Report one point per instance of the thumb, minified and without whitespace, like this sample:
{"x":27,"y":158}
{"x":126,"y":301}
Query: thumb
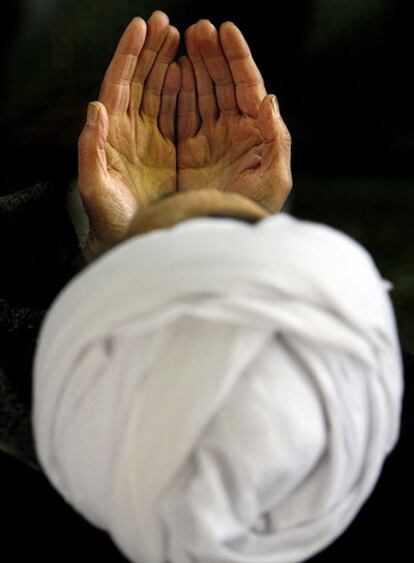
{"x":91,"y":148}
{"x":275,"y":133}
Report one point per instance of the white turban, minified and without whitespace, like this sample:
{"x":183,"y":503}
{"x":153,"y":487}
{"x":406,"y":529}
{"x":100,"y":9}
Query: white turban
{"x":219,"y":391}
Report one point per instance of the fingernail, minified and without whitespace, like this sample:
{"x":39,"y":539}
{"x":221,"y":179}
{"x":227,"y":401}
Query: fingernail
{"x":206,"y":21}
{"x":275,"y":104}
{"x":93,"y":112}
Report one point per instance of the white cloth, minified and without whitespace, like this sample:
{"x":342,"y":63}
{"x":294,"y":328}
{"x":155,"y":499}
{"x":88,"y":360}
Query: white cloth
{"x":220,"y":391}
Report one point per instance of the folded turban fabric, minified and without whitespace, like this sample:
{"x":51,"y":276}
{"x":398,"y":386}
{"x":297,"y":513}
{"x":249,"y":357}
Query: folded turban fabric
{"x":220,"y":392}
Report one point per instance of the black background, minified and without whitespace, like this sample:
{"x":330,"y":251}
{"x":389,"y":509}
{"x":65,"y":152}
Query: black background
{"x":339,"y":69}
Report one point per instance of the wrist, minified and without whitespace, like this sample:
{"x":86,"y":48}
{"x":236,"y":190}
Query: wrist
{"x":191,"y":204}
{"x":94,"y":249}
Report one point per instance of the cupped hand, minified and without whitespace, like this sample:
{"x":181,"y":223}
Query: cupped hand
{"x":127,"y":154}
{"x":231,"y":136}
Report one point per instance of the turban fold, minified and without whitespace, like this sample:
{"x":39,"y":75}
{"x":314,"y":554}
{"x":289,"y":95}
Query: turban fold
{"x":220,"y":392}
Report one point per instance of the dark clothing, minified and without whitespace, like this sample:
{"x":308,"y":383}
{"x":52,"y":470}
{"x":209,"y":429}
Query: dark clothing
{"x":37,"y":262}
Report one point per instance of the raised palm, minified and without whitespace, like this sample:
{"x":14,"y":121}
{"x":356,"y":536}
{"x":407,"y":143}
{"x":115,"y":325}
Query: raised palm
{"x":127,"y":159}
{"x":230,"y":136}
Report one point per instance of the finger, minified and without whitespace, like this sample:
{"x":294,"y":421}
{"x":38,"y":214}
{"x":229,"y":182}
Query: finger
{"x":151,"y":98}
{"x":169,"y":101}
{"x":206,"y":97}
{"x":91,"y":149}
{"x":217,"y":66}
{"x":276,"y":155}
{"x":157,"y":30}
{"x":188,"y":121}
{"x":250,"y":89}
{"x":115,"y":89}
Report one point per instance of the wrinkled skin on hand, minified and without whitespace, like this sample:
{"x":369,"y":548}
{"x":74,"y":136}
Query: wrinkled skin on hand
{"x":231,"y":136}
{"x":127,"y":154}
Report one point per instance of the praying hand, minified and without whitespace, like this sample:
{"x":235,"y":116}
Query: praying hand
{"x":160,"y":128}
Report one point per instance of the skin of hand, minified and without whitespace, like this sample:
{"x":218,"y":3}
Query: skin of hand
{"x":127,"y":153}
{"x":231,"y":135}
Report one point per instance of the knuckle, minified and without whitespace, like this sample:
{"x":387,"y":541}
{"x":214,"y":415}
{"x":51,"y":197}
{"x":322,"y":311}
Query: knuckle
{"x":286,"y":137}
{"x":84,"y":139}
{"x":288,"y":184}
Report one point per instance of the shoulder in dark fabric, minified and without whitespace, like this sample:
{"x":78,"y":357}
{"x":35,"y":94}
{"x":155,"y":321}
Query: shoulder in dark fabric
{"x":41,"y":255}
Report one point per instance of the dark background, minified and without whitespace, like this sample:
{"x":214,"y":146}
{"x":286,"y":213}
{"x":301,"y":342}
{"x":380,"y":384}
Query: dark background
{"x":337,"y":67}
